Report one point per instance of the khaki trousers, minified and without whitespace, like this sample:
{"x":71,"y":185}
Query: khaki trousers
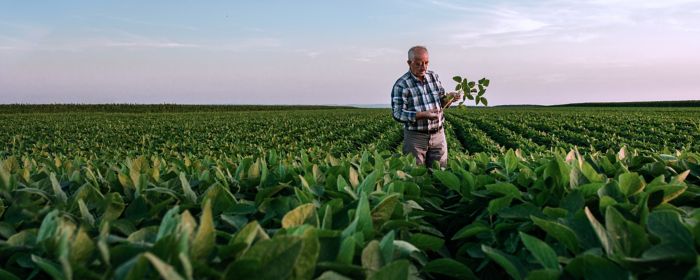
{"x":426,"y":147}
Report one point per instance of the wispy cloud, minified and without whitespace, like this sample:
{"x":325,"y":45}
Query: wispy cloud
{"x":502,"y":23}
{"x":146,"y":22}
{"x":370,"y":54}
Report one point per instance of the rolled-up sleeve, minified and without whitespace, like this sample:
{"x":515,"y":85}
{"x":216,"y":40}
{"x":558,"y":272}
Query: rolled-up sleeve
{"x":398,"y":106}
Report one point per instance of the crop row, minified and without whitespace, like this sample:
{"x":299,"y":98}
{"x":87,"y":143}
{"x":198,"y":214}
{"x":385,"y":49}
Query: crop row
{"x":371,"y":215}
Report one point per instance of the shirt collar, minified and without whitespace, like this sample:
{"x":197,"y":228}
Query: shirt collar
{"x":425,"y":77}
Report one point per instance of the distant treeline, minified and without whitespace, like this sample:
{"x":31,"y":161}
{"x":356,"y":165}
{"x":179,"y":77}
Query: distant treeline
{"x":150,"y":108}
{"x":685,"y":103}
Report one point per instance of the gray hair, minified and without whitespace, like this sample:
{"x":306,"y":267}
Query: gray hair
{"x":412,"y":51}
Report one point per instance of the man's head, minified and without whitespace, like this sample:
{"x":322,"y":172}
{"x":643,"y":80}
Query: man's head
{"x":418,"y":60}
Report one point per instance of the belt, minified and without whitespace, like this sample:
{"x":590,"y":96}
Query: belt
{"x":432,"y":131}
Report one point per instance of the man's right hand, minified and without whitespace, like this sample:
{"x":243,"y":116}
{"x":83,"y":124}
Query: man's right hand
{"x":431,"y":115}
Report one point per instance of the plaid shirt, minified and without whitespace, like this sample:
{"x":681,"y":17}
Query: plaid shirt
{"x":410,"y":95}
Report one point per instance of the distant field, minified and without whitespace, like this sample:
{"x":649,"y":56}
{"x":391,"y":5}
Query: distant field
{"x":269,"y":192}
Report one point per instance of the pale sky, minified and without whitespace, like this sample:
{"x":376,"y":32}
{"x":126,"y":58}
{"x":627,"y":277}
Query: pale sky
{"x":345,"y":52}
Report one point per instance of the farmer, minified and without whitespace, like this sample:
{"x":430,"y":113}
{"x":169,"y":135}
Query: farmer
{"x":417,"y":102}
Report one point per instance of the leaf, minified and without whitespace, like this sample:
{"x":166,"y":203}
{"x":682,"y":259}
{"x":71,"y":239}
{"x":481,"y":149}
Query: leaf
{"x":560,"y":232}
{"x":544,"y":254}
{"x":387,"y":247}
{"x":165,"y":270}
{"x":511,"y":161}
{"x":353,"y":177}
{"x":449,"y":267}
{"x":277,"y":256}
{"x":507,"y":189}
{"x":382,"y":212}
{"x":49,"y":267}
{"x":303,"y":214}
{"x":204,"y":240}
{"x":397,"y":270}
{"x":600,"y":232}
{"x":497,"y":204}
{"x":347,"y":251}
{"x":85,"y":213}
{"x":187,"y":191}
{"x":368,"y":183}
{"x":471,"y":230}
{"x":631,"y":183}
{"x":6,"y":275}
{"x":484,"y":101}
{"x":676,"y":240}
{"x":448,"y":179}
{"x":596,"y":267}
{"x":509,"y":263}
{"x":628,"y":239}
{"x":306,"y":262}
{"x":58,"y":192}
{"x":457,"y":79}
{"x":372,"y":257}
{"x":426,"y":241}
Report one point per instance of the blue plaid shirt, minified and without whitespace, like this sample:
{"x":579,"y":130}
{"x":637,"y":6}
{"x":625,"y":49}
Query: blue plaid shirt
{"x":410,"y":96}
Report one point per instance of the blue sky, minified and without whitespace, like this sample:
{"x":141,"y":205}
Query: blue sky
{"x":345,"y":52}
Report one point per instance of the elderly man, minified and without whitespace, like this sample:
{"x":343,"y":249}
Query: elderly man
{"x":417,"y":102}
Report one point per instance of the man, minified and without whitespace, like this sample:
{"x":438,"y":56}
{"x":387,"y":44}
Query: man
{"x":416,"y":101}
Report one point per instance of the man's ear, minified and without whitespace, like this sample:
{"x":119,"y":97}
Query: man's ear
{"x":408,"y":62}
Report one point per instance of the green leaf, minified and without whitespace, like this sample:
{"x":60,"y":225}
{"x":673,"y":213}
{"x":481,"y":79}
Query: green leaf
{"x":676,"y":240}
{"x":544,"y":254}
{"x":204,"y":240}
{"x":397,"y":270}
{"x":509,"y":263}
{"x":599,"y":268}
{"x":471,"y":230}
{"x":544,"y":274}
{"x":277,"y":256}
{"x":4,"y":274}
{"x":497,"y":204}
{"x":382,"y":212}
{"x":506,"y":189}
{"x":484,"y":101}
{"x":190,"y":195}
{"x":311,"y":247}
{"x":165,"y":270}
{"x":457,"y":79}
{"x":363,"y":217}
{"x":387,"y":247}
{"x":628,"y":239}
{"x":600,"y":231}
{"x":448,"y":179}
{"x":560,"y":232}
{"x":631,"y":183}
{"x":303,"y":214}
{"x":426,"y":241}
{"x":511,"y":161}
{"x":49,"y":267}
{"x":372,"y":257}
{"x":449,"y":267}
{"x":58,"y":192}
{"x":347,"y":251}
{"x":368,"y":183}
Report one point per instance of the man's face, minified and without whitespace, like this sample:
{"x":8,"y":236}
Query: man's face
{"x":419,"y":64}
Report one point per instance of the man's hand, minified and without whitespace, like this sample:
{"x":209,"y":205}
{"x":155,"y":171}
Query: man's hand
{"x":430,"y":115}
{"x":449,"y":98}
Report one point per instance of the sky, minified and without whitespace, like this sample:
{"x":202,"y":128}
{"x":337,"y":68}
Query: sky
{"x":345,"y":52}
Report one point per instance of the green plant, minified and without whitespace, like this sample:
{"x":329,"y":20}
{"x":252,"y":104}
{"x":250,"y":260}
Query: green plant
{"x":471,"y":90}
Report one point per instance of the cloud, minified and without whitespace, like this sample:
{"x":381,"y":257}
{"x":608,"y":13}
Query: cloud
{"x":516,"y":23}
{"x":371,"y":54}
{"x":147,"y":23}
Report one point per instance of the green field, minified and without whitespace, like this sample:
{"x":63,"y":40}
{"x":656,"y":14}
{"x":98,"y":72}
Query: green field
{"x":226,"y":192}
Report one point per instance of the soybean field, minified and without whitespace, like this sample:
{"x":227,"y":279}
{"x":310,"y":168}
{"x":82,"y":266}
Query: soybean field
{"x":227,"y":192}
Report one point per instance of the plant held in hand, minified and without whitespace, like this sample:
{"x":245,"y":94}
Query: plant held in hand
{"x":472,"y":90}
